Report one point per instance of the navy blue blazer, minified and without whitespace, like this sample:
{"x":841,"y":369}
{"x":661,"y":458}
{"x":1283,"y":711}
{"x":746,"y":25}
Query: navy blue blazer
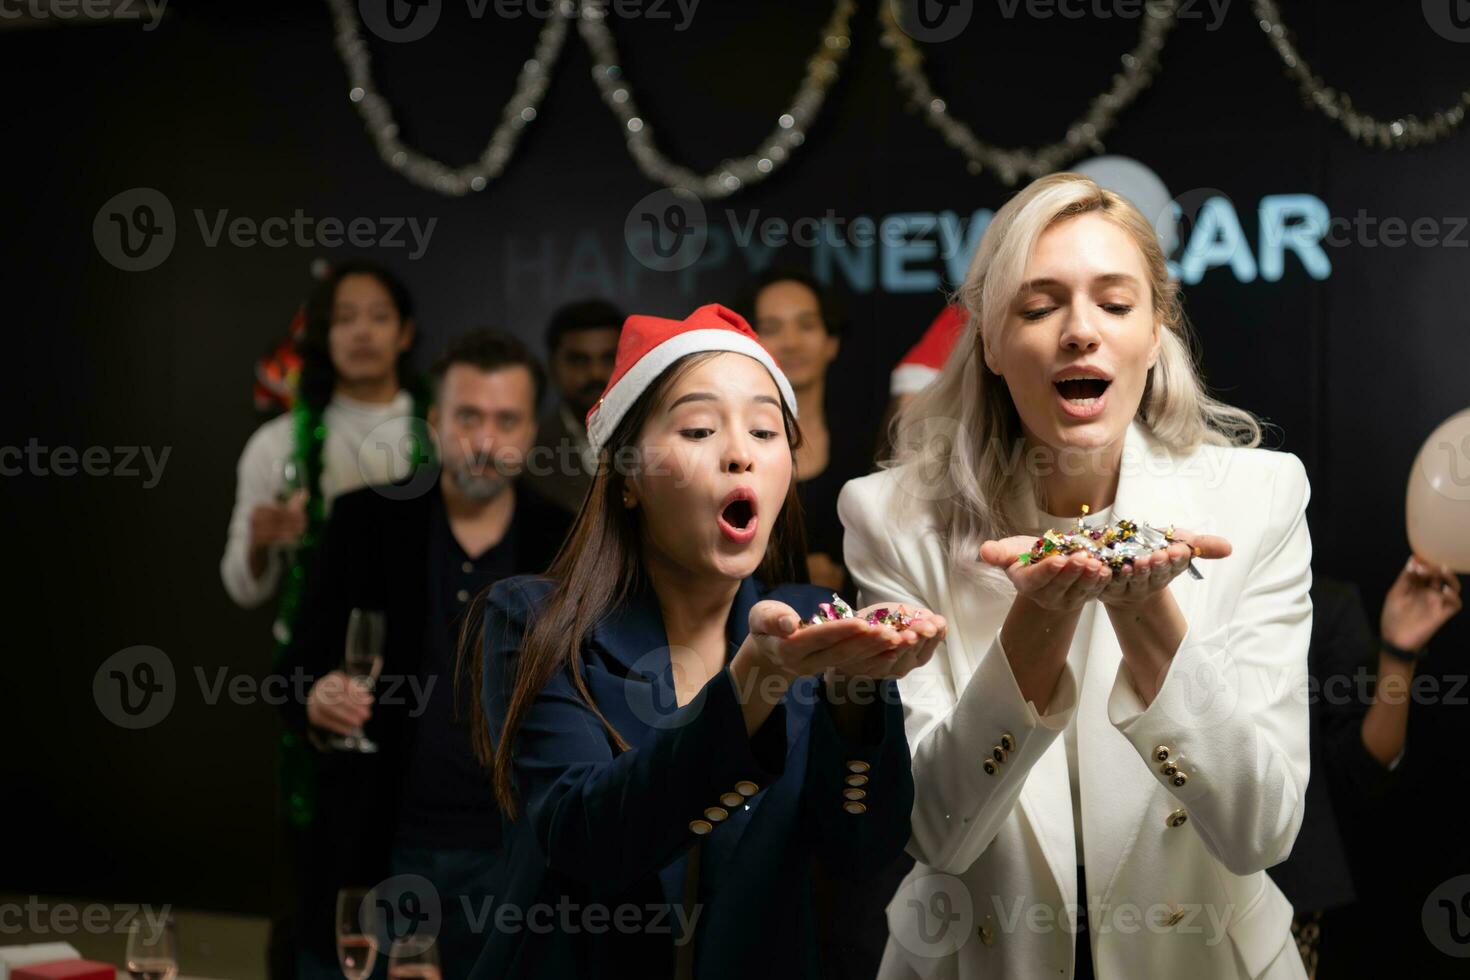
{"x":595,"y":862}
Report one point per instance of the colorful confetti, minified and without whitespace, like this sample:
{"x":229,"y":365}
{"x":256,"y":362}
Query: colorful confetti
{"x":1115,"y":545}
{"x":838,"y":609}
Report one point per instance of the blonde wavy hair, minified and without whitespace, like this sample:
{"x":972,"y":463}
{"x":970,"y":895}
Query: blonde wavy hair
{"x":963,"y":430}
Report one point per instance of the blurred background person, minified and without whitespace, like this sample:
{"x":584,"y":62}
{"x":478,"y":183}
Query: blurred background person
{"x":355,"y":355}
{"x":919,"y":366}
{"x":351,"y":421}
{"x":1359,"y":722}
{"x":421,"y":551}
{"x":798,"y":320}
{"x":581,"y":343}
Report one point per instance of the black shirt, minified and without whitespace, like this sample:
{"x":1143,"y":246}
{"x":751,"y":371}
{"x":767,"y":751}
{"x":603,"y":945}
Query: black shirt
{"x":447,"y":797}
{"x":1345,"y":777}
{"x":819,"y":507}
{"x":849,"y":456}
{"x":818,"y":496}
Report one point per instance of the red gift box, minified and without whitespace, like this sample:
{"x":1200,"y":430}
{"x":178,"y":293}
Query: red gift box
{"x":64,"y":970}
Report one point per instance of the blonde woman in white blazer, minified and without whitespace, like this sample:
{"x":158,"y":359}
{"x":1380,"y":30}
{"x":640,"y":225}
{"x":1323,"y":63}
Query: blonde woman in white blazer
{"x":1159,"y":717}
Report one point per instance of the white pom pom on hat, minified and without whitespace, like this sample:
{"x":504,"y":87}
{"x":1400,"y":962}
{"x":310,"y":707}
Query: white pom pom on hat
{"x":923,"y":362}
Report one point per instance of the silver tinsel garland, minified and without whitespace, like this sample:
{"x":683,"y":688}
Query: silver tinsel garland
{"x":420,"y":168}
{"x":732,"y":174}
{"x":1009,"y":165}
{"x":591,"y":15}
{"x":1397,"y":134}
{"x":1086,"y":134}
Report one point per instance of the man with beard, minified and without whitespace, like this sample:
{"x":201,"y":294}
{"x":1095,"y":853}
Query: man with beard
{"x":422,"y":551}
{"x":582,"y":341}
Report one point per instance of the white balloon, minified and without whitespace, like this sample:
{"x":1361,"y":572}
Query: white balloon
{"x":1438,"y":502}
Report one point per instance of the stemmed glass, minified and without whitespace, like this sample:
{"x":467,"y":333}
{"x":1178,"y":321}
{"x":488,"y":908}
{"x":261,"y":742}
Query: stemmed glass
{"x":289,"y":479}
{"x":362,"y":662}
{"x":356,"y":951}
{"x":153,"y":951}
{"x":412,"y":958}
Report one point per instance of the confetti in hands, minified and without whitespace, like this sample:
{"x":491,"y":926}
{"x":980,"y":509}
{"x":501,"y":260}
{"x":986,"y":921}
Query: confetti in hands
{"x":1115,"y":545}
{"x":838,"y":609}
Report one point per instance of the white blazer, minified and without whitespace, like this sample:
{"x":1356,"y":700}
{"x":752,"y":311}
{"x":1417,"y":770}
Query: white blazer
{"x":1175,"y":867}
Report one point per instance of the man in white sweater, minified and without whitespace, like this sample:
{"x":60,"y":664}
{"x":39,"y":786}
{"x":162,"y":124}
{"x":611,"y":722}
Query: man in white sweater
{"x":359,"y":331}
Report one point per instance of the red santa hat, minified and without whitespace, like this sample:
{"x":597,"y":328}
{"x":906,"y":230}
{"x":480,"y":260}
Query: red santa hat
{"x":921,"y":364}
{"x":649,"y":344}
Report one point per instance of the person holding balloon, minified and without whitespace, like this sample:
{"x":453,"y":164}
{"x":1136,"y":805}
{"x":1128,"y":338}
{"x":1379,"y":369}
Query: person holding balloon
{"x":1361,"y":684}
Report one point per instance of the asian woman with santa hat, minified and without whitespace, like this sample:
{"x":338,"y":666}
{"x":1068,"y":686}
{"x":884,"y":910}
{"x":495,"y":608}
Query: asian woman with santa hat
{"x":673,"y":743}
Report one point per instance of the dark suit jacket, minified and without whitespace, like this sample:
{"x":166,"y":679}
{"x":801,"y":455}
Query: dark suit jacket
{"x":554,"y":467}
{"x":374,"y":555}
{"x":1342,"y":662}
{"x":599,"y":831}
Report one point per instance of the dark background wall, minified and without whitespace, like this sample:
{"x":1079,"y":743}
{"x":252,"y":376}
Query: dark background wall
{"x":242,"y":107}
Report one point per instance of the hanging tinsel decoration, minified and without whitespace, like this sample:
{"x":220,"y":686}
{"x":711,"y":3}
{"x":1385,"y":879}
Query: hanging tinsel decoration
{"x":1084,"y":135}
{"x":1403,"y":132}
{"x":733,"y":174}
{"x":420,"y":168}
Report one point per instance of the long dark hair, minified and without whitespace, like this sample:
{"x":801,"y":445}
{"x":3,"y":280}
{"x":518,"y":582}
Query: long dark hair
{"x":318,"y":373}
{"x":596,"y":569}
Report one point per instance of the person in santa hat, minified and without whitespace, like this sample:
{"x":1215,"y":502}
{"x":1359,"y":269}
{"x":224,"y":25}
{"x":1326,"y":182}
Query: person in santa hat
{"x":922,"y":363}
{"x":918,"y":367}
{"x":673,"y":742}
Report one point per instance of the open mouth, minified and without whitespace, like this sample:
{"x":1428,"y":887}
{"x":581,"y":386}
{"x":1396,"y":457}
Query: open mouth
{"x":738,"y":518}
{"x":1081,"y":392}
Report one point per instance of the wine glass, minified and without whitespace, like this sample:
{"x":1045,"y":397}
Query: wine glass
{"x":152,"y":949}
{"x":356,"y":950}
{"x":413,"y":958}
{"x":362,"y":661}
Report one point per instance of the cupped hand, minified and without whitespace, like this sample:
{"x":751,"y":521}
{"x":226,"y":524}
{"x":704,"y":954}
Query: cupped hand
{"x":917,"y":643}
{"x":780,"y":645}
{"x":1065,"y":582}
{"x":1150,"y":574}
{"x":1060,"y":583}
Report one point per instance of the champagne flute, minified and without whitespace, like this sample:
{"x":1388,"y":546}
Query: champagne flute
{"x":290,"y":484}
{"x":356,"y":950}
{"x":152,"y":952}
{"x":289,"y":479}
{"x":413,"y":958}
{"x":362,"y":661}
